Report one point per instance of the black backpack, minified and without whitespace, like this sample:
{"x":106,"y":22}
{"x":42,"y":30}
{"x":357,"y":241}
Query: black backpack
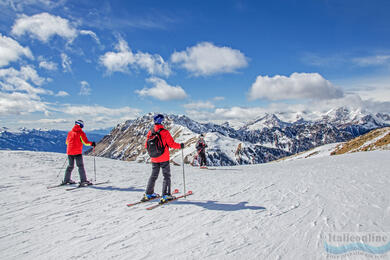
{"x":154,"y":144}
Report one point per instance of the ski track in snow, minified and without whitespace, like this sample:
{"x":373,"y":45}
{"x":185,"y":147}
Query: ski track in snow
{"x":268,"y":211}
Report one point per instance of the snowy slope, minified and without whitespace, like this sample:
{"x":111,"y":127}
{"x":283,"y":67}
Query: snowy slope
{"x":321,"y":151}
{"x":268,"y":211}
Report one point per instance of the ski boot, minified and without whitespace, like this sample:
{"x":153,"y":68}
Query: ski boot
{"x":166,"y":198}
{"x":147,"y":197}
{"x":68,"y":182}
{"x":85,"y":183}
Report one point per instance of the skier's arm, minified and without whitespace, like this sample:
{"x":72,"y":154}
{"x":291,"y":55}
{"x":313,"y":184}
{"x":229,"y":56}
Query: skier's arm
{"x":84,"y":139}
{"x":169,"y":140}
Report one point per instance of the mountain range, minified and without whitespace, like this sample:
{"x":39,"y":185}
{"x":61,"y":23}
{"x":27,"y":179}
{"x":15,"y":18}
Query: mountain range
{"x":41,"y":139}
{"x":264,"y":139}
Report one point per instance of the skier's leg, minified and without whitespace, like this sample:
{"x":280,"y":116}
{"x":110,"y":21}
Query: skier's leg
{"x":167,"y":178}
{"x":153,"y":178}
{"x":80,"y":165}
{"x":69,"y":169}
{"x":203,"y":158}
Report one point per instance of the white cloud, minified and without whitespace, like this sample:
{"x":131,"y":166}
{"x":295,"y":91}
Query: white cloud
{"x":333,"y":60}
{"x":20,"y":92}
{"x":54,"y":121}
{"x":66,"y":63}
{"x":200,"y":105}
{"x":238,"y":112}
{"x":22,"y":80}
{"x":11,"y":50}
{"x":62,"y":94}
{"x":20,"y":5}
{"x":124,"y":58}
{"x":376,"y":93}
{"x":85,"y":90}
{"x":154,"y":64}
{"x":162,"y":90}
{"x":43,"y":26}
{"x":207,"y":59}
{"x":376,"y":88}
{"x":118,"y":61}
{"x":297,"y":86}
{"x":95,"y":111}
{"x":343,"y":60}
{"x":48,"y":65}
{"x":92,"y":34}
{"x":63,"y":116}
{"x":376,"y":60}
{"x":219,"y":98}
{"x":20,"y":104}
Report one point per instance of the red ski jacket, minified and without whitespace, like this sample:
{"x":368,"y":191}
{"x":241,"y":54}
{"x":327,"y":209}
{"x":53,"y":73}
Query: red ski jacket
{"x":167,"y":141}
{"x":75,"y":140}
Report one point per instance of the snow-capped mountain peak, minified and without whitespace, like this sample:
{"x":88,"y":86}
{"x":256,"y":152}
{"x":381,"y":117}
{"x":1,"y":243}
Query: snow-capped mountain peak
{"x":268,"y":121}
{"x":344,"y":115}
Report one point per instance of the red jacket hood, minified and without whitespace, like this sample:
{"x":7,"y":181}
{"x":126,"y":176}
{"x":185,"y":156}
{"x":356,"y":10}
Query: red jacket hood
{"x":77,"y":128}
{"x":157,"y":127}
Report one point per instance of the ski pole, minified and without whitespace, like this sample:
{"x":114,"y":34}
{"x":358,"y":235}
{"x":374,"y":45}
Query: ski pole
{"x":94,"y":163}
{"x":61,"y":168}
{"x":184,"y":177}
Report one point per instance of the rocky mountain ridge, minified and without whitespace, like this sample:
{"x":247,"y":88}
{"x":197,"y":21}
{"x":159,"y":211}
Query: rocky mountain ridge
{"x":262,"y":140}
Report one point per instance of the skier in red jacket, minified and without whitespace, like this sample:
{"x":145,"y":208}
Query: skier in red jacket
{"x":161,"y":162}
{"x":75,"y":140}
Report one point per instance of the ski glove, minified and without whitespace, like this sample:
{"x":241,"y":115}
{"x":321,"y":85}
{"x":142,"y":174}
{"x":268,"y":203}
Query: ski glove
{"x":93,"y":144}
{"x":181,"y":145}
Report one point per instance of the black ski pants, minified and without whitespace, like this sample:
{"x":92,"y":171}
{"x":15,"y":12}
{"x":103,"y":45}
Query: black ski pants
{"x":166,"y":170}
{"x":80,"y":164}
{"x":202,"y":157}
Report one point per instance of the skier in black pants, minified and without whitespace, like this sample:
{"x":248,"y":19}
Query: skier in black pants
{"x":161,"y":161}
{"x":75,"y":140}
{"x":201,"y":148}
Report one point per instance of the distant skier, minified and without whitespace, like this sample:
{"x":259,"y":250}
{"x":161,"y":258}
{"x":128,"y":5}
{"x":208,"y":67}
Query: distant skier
{"x":201,"y":148}
{"x":75,"y":140}
{"x":157,"y":143}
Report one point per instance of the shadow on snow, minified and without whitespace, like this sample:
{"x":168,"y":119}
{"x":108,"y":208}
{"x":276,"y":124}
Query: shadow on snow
{"x":112,"y":188}
{"x":214,"y":205}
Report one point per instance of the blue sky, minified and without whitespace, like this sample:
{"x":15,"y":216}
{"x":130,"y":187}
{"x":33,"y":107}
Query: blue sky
{"x":109,"y":61}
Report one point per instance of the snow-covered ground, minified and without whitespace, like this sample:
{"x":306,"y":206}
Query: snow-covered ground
{"x":269,"y":211}
{"x":320,"y":151}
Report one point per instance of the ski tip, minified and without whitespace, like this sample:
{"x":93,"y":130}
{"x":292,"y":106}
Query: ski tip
{"x":176,"y":191}
{"x":190,"y":192}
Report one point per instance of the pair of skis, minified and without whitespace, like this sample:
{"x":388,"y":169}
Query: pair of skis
{"x":160,"y":204}
{"x":76,"y":187}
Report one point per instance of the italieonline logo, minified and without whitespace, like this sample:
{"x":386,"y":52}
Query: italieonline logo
{"x":372,"y":243}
